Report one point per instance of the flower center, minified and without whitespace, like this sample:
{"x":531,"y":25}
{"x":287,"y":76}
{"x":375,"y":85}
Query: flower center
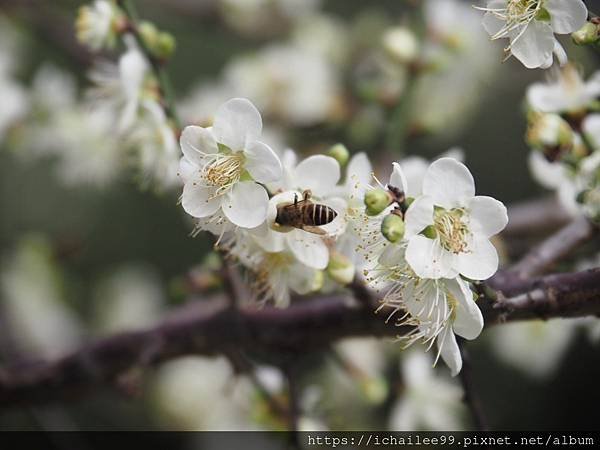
{"x":223,"y":171}
{"x":451,"y":230}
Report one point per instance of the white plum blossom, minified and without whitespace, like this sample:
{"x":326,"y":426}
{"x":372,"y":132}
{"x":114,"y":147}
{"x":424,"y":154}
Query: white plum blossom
{"x":94,"y":24}
{"x":437,"y":309}
{"x":222,"y":166}
{"x":291,"y":83}
{"x":448,"y":229}
{"x":565,"y":92}
{"x":122,"y":86}
{"x":530,"y":26}
{"x":429,"y":402}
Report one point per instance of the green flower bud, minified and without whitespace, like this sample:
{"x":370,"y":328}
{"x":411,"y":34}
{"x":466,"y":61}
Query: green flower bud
{"x":375,"y":390}
{"x":392,"y":228}
{"x":159,"y":43}
{"x":340,"y":268}
{"x":376,"y":200}
{"x":340,"y":153}
{"x":149,"y":34}
{"x":588,"y":34}
{"x":165,"y":45}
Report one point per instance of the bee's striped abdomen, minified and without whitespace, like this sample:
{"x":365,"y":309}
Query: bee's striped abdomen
{"x":317,"y":215}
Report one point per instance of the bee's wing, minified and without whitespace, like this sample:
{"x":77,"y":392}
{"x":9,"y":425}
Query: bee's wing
{"x":314,"y":230}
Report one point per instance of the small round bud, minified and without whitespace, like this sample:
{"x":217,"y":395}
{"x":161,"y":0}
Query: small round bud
{"x":340,"y":153}
{"x":392,"y":228}
{"x":401,"y":44}
{"x":588,"y":34}
{"x":149,"y":34}
{"x":375,"y":390}
{"x":165,"y":45}
{"x":549,"y":131}
{"x":376,"y":200}
{"x":340,"y":268}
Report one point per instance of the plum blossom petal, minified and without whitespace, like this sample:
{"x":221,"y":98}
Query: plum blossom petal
{"x":468,"y":320}
{"x":418,"y":216}
{"x":196,"y":142}
{"x":566,"y":16}
{"x":246,"y":205}
{"x":318,"y":173}
{"x":397,"y":179}
{"x":428,"y":259}
{"x":449,"y":183}
{"x":450,"y":352}
{"x":535,"y":45}
{"x":262,"y":163}
{"x":488,"y":216}
{"x":309,"y":249}
{"x":237,"y":124}
{"x":480,"y":261}
{"x":198,"y":200}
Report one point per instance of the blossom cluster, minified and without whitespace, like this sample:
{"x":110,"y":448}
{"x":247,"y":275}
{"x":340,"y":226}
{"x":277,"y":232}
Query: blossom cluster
{"x":298,"y":229}
{"x":564,"y":133}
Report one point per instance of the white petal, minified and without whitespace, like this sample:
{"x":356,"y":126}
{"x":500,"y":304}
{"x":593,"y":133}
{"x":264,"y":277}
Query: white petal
{"x":237,"y":123}
{"x":397,"y":179}
{"x":246,"y":204}
{"x":359,"y":169}
{"x":490,"y":22}
{"x":488,"y":216}
{"x":534,"y":47}
{"x":449,"y":182}
{"x":418,"y":216}
{"x":262,"y":163}
{"x":566,"y":16}
{"x":319,"y":173}
{"x":302,"y":279}
{"x":560,"y":53}
{"x":468,"y":320}
{"x":198,"y":200}
{"x":186,"y":169}
{"x":196,"y":143}
{"x":308,"y":248}
{"x":450,"y":352}
{"x":392,"y":255}
{"x":271,"y":242}
{"x":428,"y":259}
{"x":480,"y":261}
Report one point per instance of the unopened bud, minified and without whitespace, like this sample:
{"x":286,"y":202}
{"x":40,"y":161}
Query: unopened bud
{"x":340,"y":268}
{"x":376,"y":200}
{"x":340,"y":153}
{"x":392,"y":228}
{"x":165,"y":45}
{"x":587,"y":34}
{"x":549,"y":131}
{"x":401,"y":44}
{"x":375,"y":389}
{"x":161,"y":44}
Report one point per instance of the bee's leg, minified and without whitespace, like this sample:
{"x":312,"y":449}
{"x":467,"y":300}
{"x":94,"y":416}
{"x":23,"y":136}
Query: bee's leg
{"x":295,"y":199}
{"x":313,"y":229}
{"x":307,"y":194}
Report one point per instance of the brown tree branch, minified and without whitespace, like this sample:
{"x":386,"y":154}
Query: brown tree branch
{"x":540,"y":259}
{"x":211,"y":327}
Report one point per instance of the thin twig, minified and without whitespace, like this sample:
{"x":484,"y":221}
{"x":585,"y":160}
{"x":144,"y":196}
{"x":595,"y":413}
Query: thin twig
{"x":168,"y":100}
{"x":469,"y":393}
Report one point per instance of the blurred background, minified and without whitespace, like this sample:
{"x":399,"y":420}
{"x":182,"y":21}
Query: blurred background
{"x":90,"y":244}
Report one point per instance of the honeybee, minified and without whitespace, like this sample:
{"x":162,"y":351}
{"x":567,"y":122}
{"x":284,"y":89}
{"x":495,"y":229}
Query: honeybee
{"x":304,"y":214}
